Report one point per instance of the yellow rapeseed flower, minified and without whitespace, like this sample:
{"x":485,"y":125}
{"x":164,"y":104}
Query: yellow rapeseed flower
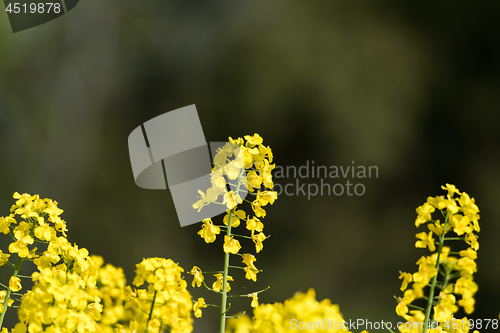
{"x":217,"y":285}
{"x":255,"y":300}
{"x":197,"y":276}
{"x":209,"y":231}
{"x":231,"y":245}
{"x":15,"y":284}
{"x":197,"y":306}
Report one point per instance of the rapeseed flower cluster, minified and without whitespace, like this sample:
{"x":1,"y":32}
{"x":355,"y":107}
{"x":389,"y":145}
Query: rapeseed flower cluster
{"x":75,"y":292}
{"x":165,"y":302}
{"x":242,"y":166}
{"x":445,"y":277}
{"x":285,"y":317}
{"x":63,"y":297}
{"x":111,"y":283}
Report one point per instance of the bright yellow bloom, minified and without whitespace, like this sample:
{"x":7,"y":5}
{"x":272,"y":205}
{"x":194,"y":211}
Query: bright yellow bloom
{"x":254,"y":224}
{"x":466,"y":287}
{"x":272,"y":318}
{"x":3,"y":258}
{"x":258,"y":239}
{"x":46,"y":260}
{"x":209,"y":231}
{"x":15,"y":284}
{"x":467,"y":265}
{"x":426,"y":240}
{"x":424,"y":213}
{"x":5,"y":223}
{"x":44,"y":232}
{"x":257,"y":208}
{"x":452,"y":207}
{"x":426,"y":271}
{"x":231,"y":199}
{"x":251,"y":271}
{"x":255,"y":300}
{"x":173,"y":303}
{"x":249,"y":259}
{"x":94,"y":309}
{"x":437,"y":228}
{"x":231,"y":245}
{"x":253,"y":181}
{"x":197,"y":276}
{"x":471,"y":239}
{"x":266,"y":197}
{"x":407,"y":278}
{"x":22,"y":234}
{"x":3,"y":294}
{"x":217,"y":285}
{"x":198,"y":305}
{"x":247,"y":155}
{"x":467,"y":304}
{"x":469,"y":253}
{"x":265,"y":171}
{"x":402,"y":308}
{"x":254,"y":140}
{"x":461,"y":224}
{"x":446,"y":307}
{"x":111,"y":281}
{"x":439,"y":202}
{"x":235,"y":220}
{"x":451,"y":189}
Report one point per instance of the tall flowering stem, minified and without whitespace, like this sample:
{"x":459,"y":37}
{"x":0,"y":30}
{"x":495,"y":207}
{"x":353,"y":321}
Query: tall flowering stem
{"x":450,"y":272}
{"x":226,"y":263}
{"x":434,"y":279}
{"x":248,"y":163}
{"x":224,"y":283}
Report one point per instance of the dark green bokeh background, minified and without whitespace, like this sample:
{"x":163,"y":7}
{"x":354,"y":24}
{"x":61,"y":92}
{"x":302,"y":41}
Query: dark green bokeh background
{"x":411,"y":87}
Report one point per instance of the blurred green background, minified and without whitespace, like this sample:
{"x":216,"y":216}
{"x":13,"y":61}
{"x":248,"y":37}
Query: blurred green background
{"x":411,"y":87}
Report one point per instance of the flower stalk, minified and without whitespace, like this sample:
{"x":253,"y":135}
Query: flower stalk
{"x":240,"y":163}
{"x":224,"y":283}
{"x":9,"y":291}
{"x":434,"y":279}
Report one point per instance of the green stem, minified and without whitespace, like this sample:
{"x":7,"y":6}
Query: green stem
{"x":151,"y":312}
{"x":223,"y":309}
{"x":9,"y":291}
{"x":415,"y":307}
{"x":434,"y":279}
{"x":224,"y":282}
{"x":238,"y":267}
{"x":242,"y":236}
{"x":241,"y":315}
{"x":248,"y":295}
